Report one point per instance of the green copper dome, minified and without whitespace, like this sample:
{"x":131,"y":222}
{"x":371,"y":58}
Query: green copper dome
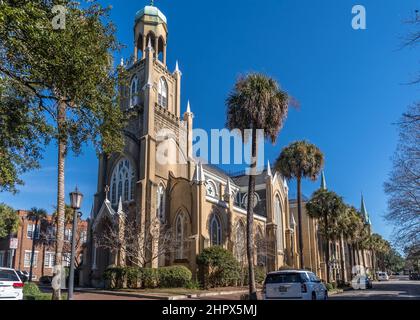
{"x":150,"y":11}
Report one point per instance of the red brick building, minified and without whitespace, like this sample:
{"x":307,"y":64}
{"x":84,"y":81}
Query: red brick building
{"x":44,"y":254}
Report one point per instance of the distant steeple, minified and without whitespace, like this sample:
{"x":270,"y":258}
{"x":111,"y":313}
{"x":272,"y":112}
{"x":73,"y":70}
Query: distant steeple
{"x":364,"y":212}
{"x":323,"y":181}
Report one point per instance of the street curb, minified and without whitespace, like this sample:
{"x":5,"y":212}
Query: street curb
{"x":218,"y":293}
{"x":161,"y":297}
{"x":331,"y":293}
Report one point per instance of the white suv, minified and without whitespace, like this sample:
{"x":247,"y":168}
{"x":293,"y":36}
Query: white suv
{"x":11,"y":287}
{"x":383,"y":276}
{"x":294,"y":285}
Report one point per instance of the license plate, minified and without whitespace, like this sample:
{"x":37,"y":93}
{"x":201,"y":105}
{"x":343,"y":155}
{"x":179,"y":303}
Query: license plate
{"x":282,"y":289}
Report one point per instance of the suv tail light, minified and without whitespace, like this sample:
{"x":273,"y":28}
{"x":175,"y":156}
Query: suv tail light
{"x":304,"y":288}
{"x":17,"y":285}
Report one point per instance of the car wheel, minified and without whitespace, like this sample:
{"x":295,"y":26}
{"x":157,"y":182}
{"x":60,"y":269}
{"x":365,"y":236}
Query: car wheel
{"x":313,"y":296}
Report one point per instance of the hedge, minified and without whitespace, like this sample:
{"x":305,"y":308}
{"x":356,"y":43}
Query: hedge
{"x":218,"y":268}
{"x":145,"y":278}
{"x":32,"y":292}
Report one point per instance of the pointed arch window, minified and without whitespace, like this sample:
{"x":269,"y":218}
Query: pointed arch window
{"x":134,"y":91}
{"x":278,"y":216}
{"x":160,"y":203}
{"x":180,"y":236}
{"x":215,"y":231}
{"x":163,"y":93}
{"x":122,"y":182}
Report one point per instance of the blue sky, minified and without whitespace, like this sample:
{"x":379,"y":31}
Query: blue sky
{"x":350,"y":85}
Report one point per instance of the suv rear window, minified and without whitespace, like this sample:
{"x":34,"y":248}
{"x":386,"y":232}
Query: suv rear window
{"x":285,"y":278}
{"x":8,"y":275}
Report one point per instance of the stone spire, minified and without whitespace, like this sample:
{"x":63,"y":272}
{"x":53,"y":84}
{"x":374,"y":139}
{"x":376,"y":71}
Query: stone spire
{"x":323,"y":181}
{"x":364,"y":212}
{"x":269,"y":173}
{"x":120,"y":207}
{"x":188,"y":107}
{"x":177,"y":68}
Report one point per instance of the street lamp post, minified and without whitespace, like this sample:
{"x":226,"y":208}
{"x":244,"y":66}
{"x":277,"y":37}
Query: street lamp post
{"x":76,"y":198}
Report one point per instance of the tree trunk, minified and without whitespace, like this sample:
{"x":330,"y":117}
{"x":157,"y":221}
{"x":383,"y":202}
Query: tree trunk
{"x":62,"y":146}
{"x":363,"y":258}
{"x":250,"y":219}
{"x":374,"y":264}
{"x":356,"y":257}
{"x":349,"y":248}
{"x":327,"y":248}
{"x":342,"y":253}
{"x":299,"y":204}
{"x":33,"y":249}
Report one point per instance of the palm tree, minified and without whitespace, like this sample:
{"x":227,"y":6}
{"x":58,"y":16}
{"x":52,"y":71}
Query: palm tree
{"x":350,"y":223}
{"x":300,"y":160}
{"x":36,"y":215}
{"x":256,"y":102}
{"x":326,"y":206}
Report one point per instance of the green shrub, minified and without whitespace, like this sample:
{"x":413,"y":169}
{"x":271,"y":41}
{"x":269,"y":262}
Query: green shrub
{"x":31,"y":289}
{"x":329,"y":286}
{"x":174,"y":277}
{"x":193,"y":285}
{"x":259,"y":273}
{"x":218,"y":268}
{"x":115,"y":277}
{"x":148,"y":278}
{"x":133,"y":277}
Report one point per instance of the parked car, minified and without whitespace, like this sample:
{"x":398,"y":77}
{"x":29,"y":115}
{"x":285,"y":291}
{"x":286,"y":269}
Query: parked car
{"x":414,"y":276}
{"x":11,"y":287}
{"x":361,"y":282}
{"x":383,"y":276}
{"x":294,"y":285}
{"x":23,"y":275}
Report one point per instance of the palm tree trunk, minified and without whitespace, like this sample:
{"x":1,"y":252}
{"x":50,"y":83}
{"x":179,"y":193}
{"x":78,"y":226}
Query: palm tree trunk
{"x":62,"y":146}
{"x":327,"y":248}
{"x":343,"y":273}
{"x":363,"y":258}
{"x":299,"y":205}
{"x":349,"y":248}
{"x":250,"y":219}
{"x":355,"y":254}
{"x":33,"y":250}
{"x":374,"y":264}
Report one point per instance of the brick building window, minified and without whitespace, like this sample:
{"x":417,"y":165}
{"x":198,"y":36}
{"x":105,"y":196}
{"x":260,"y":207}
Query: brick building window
{"x":27,"y":260}
{"x":31,"y":232}
{"x":67,"y":235}
{"x":49,"y":259}
{"x":66,"y":259}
